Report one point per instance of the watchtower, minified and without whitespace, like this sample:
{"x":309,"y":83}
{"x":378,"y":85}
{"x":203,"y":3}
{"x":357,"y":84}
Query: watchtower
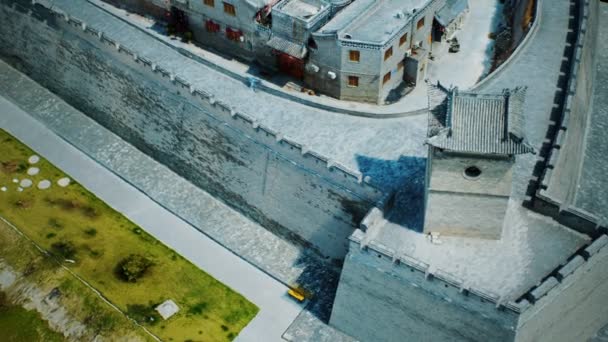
{"x":473,"y":140}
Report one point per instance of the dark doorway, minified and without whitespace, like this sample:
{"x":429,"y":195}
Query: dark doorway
{"x":290,"y":65}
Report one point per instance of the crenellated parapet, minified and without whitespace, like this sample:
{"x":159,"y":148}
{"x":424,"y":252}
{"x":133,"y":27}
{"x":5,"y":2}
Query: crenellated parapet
{"x":300,"y":154}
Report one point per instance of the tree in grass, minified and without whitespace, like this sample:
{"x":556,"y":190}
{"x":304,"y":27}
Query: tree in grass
{"x":133,"y":267}
{"x":64,"y":249}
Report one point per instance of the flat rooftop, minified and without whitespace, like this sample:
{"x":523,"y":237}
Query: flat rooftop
{"x":374,"y":22}
{"x":302,"y":9}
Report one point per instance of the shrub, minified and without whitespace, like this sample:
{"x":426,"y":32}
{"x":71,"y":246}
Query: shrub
{"x":143,"y":313}
{"x":90,"y":232}
{"x":133,"y":267}
{"x":64,"y":249}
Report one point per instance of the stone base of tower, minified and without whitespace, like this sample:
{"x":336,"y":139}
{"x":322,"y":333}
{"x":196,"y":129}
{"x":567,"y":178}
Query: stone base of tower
{"x":470,"y":215}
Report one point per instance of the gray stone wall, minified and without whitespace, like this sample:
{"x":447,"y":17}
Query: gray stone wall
{"x":460,"y":205}
{"x":380,"y":300}
{"x":476,"y":216}
{"x":561,"y":161}
{"x":290,"y":191}
{"x":575,"y":308}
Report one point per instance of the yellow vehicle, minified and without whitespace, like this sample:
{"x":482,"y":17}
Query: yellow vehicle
{"x":295,"y":293}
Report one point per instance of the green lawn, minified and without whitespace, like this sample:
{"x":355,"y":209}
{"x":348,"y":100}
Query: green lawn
{"x":101,"y":237}
{"x":20,"y":325}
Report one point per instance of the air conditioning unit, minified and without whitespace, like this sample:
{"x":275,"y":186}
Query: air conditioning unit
{"x":418,"y":44}
{"x":408,"y":52}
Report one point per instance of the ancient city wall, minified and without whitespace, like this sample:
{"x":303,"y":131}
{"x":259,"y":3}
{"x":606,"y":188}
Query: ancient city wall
{"x":558,"y":168}
{"x":570,"y":305}
{"x":289,"y":189}
{"x":407,"y":298}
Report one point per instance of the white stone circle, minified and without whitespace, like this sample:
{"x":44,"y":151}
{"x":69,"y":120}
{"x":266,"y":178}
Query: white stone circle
{"x":33,"y":159}
{"x":15,"y":180}
{"x":32,"y":171}
{"x":63,"y":182}
{"x":26,"y":183}
{"x":3,"y":189}
{"x":44,"y":184}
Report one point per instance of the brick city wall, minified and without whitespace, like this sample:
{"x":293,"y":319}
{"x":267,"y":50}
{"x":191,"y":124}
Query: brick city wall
{"x":289,"y":189}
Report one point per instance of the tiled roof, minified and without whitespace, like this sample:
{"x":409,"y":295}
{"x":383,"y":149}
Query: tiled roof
{"x":477,"y":123}
{"x":286,"y":46}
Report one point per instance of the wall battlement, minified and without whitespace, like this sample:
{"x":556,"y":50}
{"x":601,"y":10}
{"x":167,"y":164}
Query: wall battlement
{"x":444,"y":279}
{"x":323,"y":166}
{"x":293,"y":191}
{"x":570,"y":114}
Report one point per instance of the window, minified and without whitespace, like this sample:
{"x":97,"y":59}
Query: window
{"x":210,"y":3}
{"x":420,"y":24}
{"x":400,"y":65}
{"x":229,"y":9}
{"x":234,"y":35}
{"x":212,"y":26}
{"x":353,"y":81}
{"x":354,"y":55}
{"x":403,"y":39}
{"x":472,"y":172}
{"x":388,"y":53}
{"x":386,"y":78}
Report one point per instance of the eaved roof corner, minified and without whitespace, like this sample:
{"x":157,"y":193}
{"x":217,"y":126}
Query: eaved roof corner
{"x":477,"y":123}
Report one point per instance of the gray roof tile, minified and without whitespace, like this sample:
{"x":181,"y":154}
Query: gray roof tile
{"x":477,"y":123}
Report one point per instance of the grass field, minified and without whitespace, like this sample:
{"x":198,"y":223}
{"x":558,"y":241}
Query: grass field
{"x":20,"y":325}
{"x":43,"y":273}
{"x":73,"y":224}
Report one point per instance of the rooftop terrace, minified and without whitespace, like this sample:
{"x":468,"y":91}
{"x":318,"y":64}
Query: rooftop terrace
{"x":301,"y":9}
{"x":373,"y":21}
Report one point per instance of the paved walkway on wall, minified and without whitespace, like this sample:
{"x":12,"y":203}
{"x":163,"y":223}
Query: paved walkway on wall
{"x":592,"y":189}
{"x":277,"y":310}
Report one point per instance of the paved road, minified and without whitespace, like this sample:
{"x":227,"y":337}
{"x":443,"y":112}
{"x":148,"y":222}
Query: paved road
{"x":277,"y":311}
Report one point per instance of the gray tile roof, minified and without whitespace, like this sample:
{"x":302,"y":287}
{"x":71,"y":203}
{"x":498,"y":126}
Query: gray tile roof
{"x":450,"y":11}
{"x":286,"y":46}
{"x":477,"y":123}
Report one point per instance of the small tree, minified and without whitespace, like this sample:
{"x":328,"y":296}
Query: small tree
{"x":64,"y":249}
{"x":133,"y":267}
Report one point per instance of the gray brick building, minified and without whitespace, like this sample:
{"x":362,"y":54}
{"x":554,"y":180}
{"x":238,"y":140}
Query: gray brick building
{"x":365,"y":50}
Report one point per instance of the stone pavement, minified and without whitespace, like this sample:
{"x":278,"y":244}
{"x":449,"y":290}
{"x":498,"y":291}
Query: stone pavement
{"x":595,"y":164}
{"x":465,"y":68}
{"x":163,"y":191}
